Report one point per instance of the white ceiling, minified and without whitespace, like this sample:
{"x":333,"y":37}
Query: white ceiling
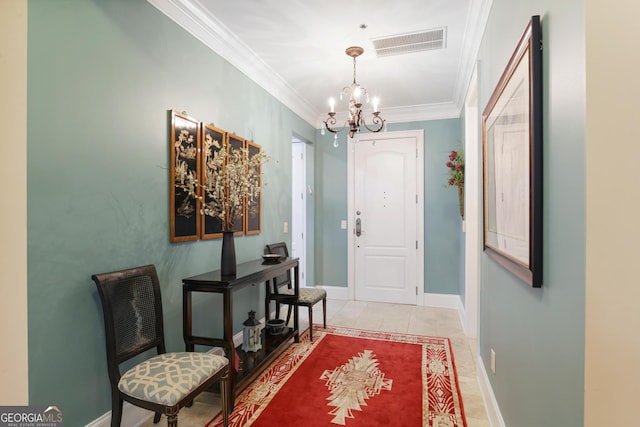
{"x":295,"y":49}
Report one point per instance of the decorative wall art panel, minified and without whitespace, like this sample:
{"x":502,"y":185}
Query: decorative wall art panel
{"x":184,"y":173}
{"x":253,"y":211}
{"x":200,"y":174}
{"x":236,"y":146}
{"x":212,"y":140}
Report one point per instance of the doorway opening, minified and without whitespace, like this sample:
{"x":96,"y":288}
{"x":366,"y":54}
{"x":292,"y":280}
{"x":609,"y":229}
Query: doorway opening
{"x":299,"y":205}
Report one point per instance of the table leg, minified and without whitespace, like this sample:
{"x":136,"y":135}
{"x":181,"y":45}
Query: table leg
{"x":186,"y":320}
{"x":296,"y":289}
{"x":230,"y":349}
{"x":267,"y":305}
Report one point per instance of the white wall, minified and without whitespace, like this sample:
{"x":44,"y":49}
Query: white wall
{"x":14,"y":359}
{"x":612,"y":340}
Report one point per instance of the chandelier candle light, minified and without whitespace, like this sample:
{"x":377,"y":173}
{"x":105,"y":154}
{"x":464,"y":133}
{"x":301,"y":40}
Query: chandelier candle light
{"x":356,"y":93}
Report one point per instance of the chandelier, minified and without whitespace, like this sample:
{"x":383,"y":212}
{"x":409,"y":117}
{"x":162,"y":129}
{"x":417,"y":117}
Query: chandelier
{"x":356,"y":94}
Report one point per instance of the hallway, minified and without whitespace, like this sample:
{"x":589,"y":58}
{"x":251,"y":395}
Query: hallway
{"x":389,"y":318}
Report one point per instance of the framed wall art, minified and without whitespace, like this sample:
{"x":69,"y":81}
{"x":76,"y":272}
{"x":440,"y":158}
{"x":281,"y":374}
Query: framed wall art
{"x":203,"y":179}
{"x":212,"y":141}
{"x":184,"y":208}
{"x":253,"y":208}
{"x":512,"y":162}
{"x":235,"y":142}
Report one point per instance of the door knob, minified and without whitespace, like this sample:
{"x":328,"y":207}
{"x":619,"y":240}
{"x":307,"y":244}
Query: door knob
{"x":358,"y":227}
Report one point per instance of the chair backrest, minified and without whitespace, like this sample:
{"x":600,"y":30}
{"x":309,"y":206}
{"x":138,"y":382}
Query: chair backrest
{"x":284,"y":279}
{"x":132,"y":308}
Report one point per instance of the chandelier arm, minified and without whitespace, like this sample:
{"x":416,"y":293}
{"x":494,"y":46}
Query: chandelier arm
{"x":332,"y":120}
{"x":377,"y":120}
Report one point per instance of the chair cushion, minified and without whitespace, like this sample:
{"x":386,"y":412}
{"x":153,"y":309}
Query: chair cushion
{"x":307,"y":295}
{"x":167,"y":378}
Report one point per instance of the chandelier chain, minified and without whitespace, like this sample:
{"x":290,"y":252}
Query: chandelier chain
{"x":354,"y":70}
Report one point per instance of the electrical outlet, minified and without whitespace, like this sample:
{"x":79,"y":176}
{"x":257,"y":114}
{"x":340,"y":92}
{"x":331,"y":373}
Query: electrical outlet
{"x":493,"y":361}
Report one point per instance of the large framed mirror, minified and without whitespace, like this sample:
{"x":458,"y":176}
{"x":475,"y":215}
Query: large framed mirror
{"x":512,"y":162}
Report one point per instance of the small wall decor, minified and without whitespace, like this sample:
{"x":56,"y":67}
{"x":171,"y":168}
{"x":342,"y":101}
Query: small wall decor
{"x":512,"y":162}
{"x":212,"y":141}
{"x":253,"y":207}
{"x":456,"y":176}
{"x":184,"y":170}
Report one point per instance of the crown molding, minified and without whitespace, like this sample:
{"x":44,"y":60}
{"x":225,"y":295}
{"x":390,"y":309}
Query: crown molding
{"x":474,"y":30}
{"x":411,"y":113}
{"x":196,"y":20}
{"x":417,"y":113}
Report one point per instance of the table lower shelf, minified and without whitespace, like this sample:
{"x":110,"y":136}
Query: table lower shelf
{"x":252,"y":363}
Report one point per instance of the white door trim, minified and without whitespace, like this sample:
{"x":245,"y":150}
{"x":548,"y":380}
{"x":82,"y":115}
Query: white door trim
{"x":419,"y":136}
{"x":472,"y":225}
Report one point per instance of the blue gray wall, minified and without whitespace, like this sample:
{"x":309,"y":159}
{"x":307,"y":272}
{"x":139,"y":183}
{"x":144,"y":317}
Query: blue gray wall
{"x":101,"y":76}
{"x":538,"y":334}
{"x":443,"y":271}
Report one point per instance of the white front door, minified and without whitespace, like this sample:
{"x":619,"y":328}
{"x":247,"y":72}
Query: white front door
{"x":384,"y":217}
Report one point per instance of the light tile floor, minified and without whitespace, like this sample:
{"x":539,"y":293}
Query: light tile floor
{"x":380,"y":317}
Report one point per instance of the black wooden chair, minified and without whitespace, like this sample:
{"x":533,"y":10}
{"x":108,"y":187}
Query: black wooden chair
{"x":281,"y":288}
{"x":166,"y":382}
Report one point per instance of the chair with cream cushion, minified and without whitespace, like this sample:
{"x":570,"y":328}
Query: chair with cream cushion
{"x":282,"y":287}
{"x":166,"y":382}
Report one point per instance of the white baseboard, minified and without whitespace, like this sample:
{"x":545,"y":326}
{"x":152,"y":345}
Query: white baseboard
{"x":131,"y":416}
{"x":442,"y":300}
{"x":453,"y":302}
{"x":462,"y":316}
{"x":490,"y":402}
{"x":337,"y":292}
{"x":429,"y":300}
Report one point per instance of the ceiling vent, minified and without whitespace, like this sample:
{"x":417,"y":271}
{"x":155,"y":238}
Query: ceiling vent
{"x":411,"y":42}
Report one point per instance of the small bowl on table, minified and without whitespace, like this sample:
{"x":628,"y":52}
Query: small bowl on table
{"x":271,"y":258}
{"x":275,"y":326}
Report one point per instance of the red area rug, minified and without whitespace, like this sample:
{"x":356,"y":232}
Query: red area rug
{"x":355,"y":378}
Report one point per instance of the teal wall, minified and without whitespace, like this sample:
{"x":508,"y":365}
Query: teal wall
{"x":101,"y":76}
{"x":538,"y":334}
{"x":330,"y":205}
{"x":442,"y":227}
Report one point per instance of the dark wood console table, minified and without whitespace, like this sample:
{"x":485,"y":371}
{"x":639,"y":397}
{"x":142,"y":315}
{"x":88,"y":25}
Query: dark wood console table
{"x":248,"y":273}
